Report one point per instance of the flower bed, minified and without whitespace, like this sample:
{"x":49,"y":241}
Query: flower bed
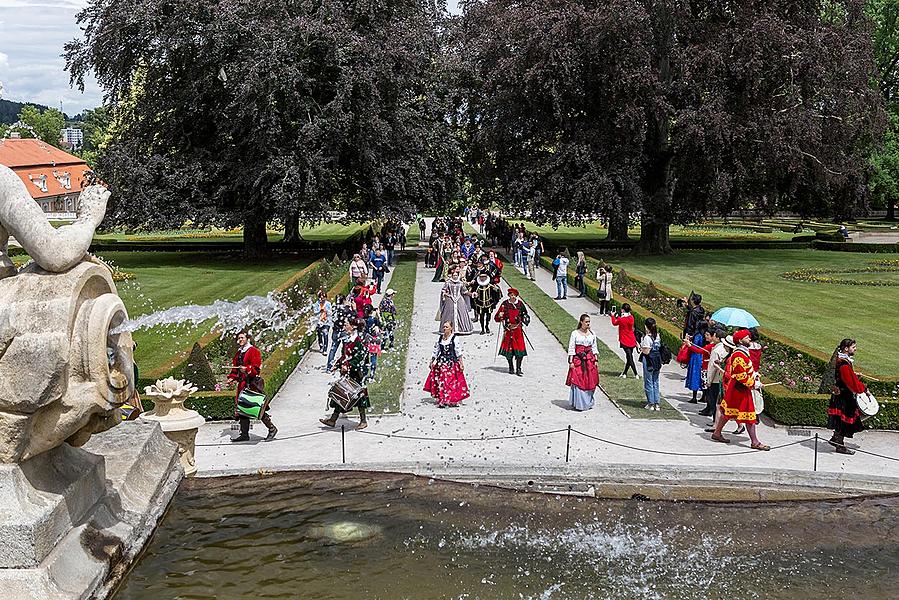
{"x":825,"y":275}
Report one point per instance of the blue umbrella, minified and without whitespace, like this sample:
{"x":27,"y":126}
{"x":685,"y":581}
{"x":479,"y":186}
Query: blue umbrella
{"x":734,"y":317}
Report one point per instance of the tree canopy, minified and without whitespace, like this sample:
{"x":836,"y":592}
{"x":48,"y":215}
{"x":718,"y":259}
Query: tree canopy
{"x":672,"y":108}
{"x":235,"y":111}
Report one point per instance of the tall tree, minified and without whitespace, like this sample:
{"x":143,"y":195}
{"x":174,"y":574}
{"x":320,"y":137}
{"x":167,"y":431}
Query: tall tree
{"x":885,"y":178}
{"x":45,"y":125}
{"x":677,"y":108}
{"x":240,"y":112}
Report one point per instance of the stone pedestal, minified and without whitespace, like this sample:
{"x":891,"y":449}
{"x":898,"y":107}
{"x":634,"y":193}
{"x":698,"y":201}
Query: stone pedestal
{"x":73,"y":519}
{"x":178,"y":423}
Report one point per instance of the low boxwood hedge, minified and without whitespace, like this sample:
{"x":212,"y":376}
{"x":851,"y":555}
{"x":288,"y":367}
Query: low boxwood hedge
{"x":854,"y":247}
{"x":811,"y":410}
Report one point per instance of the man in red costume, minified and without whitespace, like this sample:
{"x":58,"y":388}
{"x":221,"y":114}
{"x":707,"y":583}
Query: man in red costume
{"x":513,"y":314}
{"x":246,"y":363}
{"x":843,"y":415}
{"x":740,"y":378}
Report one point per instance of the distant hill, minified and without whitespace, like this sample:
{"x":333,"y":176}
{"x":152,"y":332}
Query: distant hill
{"x":9,"y":110}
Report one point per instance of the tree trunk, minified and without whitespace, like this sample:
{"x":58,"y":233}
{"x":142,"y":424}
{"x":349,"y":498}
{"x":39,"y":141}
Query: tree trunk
{"x":653,"y":237}
{"x":255,"y":238}
{"x":891,"y":210}
{"x":292,"y":229}
{"x":618,"y":223}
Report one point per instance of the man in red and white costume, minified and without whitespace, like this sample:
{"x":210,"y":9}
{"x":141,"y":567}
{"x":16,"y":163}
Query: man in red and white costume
{"x":843,"y":415}
{"x":513,"y":314}
{"x":740,"y":378}
{"x":247,"y":363}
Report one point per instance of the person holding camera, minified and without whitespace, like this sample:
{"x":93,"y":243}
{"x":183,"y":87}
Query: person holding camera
{"x":651,"y":357}
{"x":626,"y":338}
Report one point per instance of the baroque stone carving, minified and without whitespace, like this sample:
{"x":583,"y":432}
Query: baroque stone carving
{"x":63,"y":369}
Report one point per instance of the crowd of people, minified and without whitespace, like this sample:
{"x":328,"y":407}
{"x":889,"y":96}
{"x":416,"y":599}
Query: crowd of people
{"x":722,"y":365}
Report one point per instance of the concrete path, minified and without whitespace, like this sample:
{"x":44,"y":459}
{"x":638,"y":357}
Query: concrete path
{"x":506,"y":406}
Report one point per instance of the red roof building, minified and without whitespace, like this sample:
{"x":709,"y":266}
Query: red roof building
{"x":53,"y":178}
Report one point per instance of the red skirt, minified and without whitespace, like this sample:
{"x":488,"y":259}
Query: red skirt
{"x":446,"y":382}
{"x":738,"y":404}
{"x":583,"y":372}
{"x":513,"y":343}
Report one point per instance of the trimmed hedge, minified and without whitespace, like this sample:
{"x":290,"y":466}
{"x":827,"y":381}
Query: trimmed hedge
{"x":588,"y":245}
{"x":214,"y":406}
{"x":854,"y":247}
{"x":811,"y":410}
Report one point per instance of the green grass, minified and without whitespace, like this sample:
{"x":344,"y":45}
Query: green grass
{"x":412,"y":234}
{"x":167,"y":279}
{"x":817,"y":315}
{"x":595,"y":232}
{"x":332,"y":232}
{"x":386,"y":390}
{"x":627,"y":394}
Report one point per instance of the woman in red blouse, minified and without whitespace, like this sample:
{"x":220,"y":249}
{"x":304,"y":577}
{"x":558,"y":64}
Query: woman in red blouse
{"x":626,"y":339}
{"x":843,"y":415}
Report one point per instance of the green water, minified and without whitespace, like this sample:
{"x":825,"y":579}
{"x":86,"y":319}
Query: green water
{"x":373,"y":536}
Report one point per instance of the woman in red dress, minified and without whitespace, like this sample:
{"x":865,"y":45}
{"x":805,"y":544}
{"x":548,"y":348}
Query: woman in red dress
{"x":583,"y":376}
{"x":514,"y":316}
{"x":446,"y":379}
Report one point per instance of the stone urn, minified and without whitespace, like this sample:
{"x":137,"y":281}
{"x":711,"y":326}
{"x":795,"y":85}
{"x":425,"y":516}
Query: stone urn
{"x":178,"y":423}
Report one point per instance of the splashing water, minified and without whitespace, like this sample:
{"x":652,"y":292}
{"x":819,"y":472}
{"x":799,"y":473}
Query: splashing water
{"x":228,"y":315}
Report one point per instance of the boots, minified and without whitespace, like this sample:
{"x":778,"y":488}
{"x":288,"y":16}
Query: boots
{"x":363,"y":423}
{"x":244,"y":430}
{"x":272,"y":430}
{"x":332,"y":421}
{"x":837,"y":441}
{"x":511,"y":368}
{"x":518,"y":366}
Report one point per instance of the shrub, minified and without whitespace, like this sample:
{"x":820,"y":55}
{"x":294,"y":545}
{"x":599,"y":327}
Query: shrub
{"x":197,"y":369}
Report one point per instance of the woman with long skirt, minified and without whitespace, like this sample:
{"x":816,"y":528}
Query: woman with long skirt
{"x":696,"y":345}
{"x":446,"y":379}
{"x":583,"y":376}
{"x":454,"y":305}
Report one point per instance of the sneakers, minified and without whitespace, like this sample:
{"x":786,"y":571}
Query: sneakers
{"x":648,"y":406}
{"x":656,"y":407}
{"x":622,"y":376}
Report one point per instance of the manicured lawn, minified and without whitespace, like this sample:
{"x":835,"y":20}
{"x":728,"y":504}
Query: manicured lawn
{"x":627,"y":394}
{"x":595,"y":232}
{"x":166,"y":279}
{"x":336,"y":232}
{"x":818,"y":315}
{"x":387,"y":388}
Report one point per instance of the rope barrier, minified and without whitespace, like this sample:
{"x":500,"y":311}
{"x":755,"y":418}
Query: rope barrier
{"x":277,"y":439}
{"x":480,"y":439}
{"x":667,"y":453}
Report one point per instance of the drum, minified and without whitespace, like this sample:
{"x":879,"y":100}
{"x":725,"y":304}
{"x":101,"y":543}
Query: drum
{"x":867,"y":404}
{"x":250,"y":404}
{"x":758,"y":398}
{"x":344,"y":394}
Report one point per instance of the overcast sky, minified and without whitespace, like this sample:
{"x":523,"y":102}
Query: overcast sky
{"x":32,"y":34}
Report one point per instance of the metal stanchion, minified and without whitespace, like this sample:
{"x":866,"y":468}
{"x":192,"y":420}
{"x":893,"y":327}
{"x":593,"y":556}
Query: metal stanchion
{"x":816,"y":453}
{"x":568,"y":444}
{"x":343,"y":442}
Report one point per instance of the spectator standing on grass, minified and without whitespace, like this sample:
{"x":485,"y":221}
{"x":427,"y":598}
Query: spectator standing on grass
{"x":580,"y":271}
{"x":583,"y":355}
{"x":379,"y":268}
{"x":402,"y":240}
{"x":651,"y":357}
{"x":561,"y":265}
{"x":696,"y":346}
{"x":604,"y":291}
{"x":537,"y":243}
{"x":322,"y":316}
{"x":626,"y":338}
{"x":387,"y":310}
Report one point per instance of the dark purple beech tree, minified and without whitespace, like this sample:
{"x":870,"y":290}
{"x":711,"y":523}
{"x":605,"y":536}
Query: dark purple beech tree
{"x":670,"y":108}
{"x":239,"y":112}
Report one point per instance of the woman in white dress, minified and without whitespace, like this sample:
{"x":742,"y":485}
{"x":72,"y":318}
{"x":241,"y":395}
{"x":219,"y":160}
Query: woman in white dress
{"x":583,"y":375}
{"x":454,"y":305}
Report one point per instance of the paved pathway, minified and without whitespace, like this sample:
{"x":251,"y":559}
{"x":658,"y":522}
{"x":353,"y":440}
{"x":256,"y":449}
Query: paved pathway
{"x":503,"y":405}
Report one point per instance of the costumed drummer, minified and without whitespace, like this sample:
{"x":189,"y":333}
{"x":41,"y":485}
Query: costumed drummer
{"x":246,"y":363}
{"x":252,"y":404}
{"x":740,"y":379}
{"x":513,"y":314}
{"x":352,"y":364}
{"x":843,"y":414}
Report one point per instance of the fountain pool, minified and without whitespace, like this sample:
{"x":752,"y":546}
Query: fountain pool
{"x":336,"y":535}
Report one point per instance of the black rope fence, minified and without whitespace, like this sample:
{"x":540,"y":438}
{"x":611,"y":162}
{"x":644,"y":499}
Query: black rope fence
{"x":568,"y":430}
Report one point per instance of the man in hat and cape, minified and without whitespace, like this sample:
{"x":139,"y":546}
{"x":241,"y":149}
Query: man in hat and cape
{"x":513,"y":314}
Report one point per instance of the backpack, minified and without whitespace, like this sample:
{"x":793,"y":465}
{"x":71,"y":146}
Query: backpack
{"x":664,"y":352}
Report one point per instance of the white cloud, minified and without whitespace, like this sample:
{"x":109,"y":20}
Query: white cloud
{"x":32,"y":35}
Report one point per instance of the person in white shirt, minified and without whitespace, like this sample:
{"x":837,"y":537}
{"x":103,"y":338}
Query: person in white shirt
{"x":561,"y":263}
{"x":713,"y":372}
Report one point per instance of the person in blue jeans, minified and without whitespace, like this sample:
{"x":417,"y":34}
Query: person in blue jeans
{"x":561,"y":265}
{"x":379,"y":268}
{"x":652,"y":364}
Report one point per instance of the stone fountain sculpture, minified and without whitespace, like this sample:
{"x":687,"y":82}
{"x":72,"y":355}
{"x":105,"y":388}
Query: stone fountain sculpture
{"x":75,"y":509}
{"x":179,"y":424}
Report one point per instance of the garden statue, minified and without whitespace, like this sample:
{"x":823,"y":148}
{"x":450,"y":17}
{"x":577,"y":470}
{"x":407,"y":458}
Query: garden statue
{"x":63,"y":368}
